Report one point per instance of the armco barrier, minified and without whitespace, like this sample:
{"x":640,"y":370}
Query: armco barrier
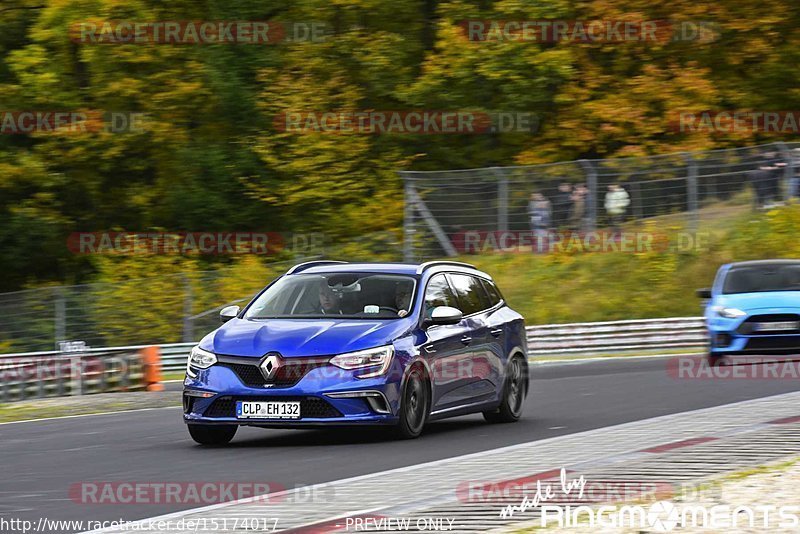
{"x":616,"y":336}
{"x":47,"y":374}
{"x":55,"y":374}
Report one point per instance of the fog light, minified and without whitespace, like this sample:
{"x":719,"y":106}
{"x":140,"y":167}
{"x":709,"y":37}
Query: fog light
{"x":722,"y":340}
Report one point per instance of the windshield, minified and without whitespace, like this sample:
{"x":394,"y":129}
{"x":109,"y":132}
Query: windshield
{"x":761,"y":278}
{"x":336,"y":295}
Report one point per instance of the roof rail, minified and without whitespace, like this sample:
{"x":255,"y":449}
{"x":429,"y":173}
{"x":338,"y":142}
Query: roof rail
{"x":428,"y":264}
{"x":308,"y":264}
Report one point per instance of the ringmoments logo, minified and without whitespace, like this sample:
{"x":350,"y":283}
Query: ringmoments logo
{"x":666,"y":516}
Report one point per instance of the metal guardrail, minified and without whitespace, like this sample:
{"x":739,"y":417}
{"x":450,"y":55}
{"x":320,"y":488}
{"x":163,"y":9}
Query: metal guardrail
{"x":617,"y":336}
{"x":56,"y":374}
{"x":564,"y":339}
{"x":48,"y":374}
{"x":174,"y":356}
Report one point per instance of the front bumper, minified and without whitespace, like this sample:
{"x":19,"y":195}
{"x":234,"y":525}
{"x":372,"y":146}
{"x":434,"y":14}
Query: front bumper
{"x":374,"y":401}
{"x":737,"y":336}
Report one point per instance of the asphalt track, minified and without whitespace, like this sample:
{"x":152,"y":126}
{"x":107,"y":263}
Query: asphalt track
{"x":40,"y":460}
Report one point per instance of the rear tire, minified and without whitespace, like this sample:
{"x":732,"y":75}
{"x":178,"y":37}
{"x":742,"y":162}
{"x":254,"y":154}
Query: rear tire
{"x":514,"y":390}
{"x":212,"y":434}
{"x":414,"y":405}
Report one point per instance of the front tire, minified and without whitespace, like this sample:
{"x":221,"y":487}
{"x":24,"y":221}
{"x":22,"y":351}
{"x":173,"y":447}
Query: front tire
{"x":414,"y":405}
{"x":514,"y":390}
{"x":212,"y":434}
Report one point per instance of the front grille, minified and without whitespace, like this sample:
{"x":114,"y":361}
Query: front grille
{"x":288,"y":374}
{"x":310,"y":407}
{"x":250,"y":375}
{"x":747,"y":327}
{"x":783,"y":343}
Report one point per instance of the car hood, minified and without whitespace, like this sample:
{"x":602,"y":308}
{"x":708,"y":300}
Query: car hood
{"x":758,"y":301}
{"x":302,"y":337}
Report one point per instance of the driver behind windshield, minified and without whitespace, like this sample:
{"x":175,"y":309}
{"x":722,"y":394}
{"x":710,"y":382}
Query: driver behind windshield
{"x":328,"y":301}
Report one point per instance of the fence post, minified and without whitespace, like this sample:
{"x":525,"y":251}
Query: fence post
{"x":76,"y":374}
{"x":591,"y":185}
{"x":502,"y":199}
{"x":638,"y":208}
{"x":60,"y":317}
{"x":433,"y":224}
{"x":188,"y":323}
{"x":691,"y":190}
{"x":408,"y":221}
{"x":788,"y":171}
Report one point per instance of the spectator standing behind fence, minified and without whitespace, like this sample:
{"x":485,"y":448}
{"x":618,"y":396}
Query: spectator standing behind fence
{"x":562,"y":205}
{"x":577,"y":219}
{"x":766,"y":180}
{"x":539,"y":213}
{"x":617,"y":202}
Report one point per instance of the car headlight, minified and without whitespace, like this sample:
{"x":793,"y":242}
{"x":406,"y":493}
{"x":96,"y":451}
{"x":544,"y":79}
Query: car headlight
{"x":200,"y":359}
{"x":729,"y":313}
{"x":380,"y":358}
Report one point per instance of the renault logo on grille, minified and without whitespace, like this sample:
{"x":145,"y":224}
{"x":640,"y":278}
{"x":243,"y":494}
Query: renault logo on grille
{"x":269,"y":366}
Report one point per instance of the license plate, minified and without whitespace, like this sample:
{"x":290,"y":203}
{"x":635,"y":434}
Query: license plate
{"x":777,"y":326}
{"x":267,"y":410}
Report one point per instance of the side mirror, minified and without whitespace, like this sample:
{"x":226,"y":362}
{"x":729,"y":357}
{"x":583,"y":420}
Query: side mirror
{"x":704,"y":293}
{"x":445,"y":315}
{"x":228,"y":312}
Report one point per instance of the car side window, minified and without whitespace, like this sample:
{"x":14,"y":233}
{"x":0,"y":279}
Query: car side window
{"x":469,"y":291}
{"x":438,"y":293}
{"x":491,"y":290}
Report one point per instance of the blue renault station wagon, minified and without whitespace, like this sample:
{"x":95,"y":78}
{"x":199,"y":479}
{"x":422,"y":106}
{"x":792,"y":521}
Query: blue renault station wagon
{"x":334,"y":343}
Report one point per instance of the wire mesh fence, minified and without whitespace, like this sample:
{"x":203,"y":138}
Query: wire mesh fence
{"x":167,"y":308}
{"x":442,"y":207}
{"x":163,"y":309}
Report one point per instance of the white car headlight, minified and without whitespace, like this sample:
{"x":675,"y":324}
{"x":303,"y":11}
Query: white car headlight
{"x":201,"y":359}
{"x":380,"y":358}
{"x":729,"y":313}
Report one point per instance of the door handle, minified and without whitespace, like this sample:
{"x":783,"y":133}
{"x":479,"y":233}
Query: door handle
{"x":496,"y":332}
{"x":466,"y":340}
{"x":429,"y":349}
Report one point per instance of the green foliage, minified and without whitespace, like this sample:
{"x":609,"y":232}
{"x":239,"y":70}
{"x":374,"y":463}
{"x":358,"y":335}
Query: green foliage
{"x":209,"y":156}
